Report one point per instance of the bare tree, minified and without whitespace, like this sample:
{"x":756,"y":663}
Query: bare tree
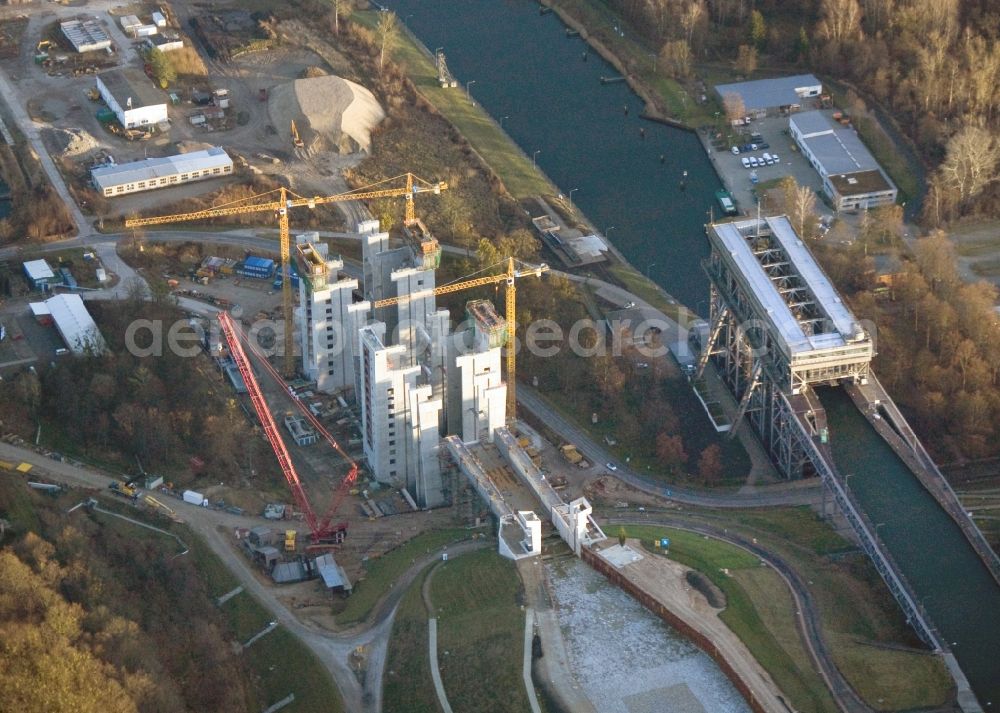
{"x":734,"y":106}
{"x":691,"y":18}
{"x":970,"y":163}
{"x":840,"y":20}
{"x":746,"y":60}
{"x":802,"y":210}
{"x":387,"y":31}
{"x":337,"y":5}
{"x":676,"y":58}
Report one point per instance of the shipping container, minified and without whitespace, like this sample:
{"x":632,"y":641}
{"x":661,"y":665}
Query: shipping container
{"x":194,"y":498}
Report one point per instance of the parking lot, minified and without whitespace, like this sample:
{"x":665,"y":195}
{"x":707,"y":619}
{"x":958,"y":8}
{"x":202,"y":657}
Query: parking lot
{"x":737,"y":179}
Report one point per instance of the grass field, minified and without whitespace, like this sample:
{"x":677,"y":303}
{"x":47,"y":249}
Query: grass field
{"x":480,"y":633}
{"x":515,"y":169}
{"x":385,"y":570}
{"x":407,"y":685}
{"x":281,"y":662}
{"x":763,"y":622}
{"x":600,"y":20}
{"x":857,"y":612}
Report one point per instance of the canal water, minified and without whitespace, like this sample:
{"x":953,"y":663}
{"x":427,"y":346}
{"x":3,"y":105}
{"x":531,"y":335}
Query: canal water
{"x":523,"y":67}
{"x":529,"y":75}
{"x":958,"y":592}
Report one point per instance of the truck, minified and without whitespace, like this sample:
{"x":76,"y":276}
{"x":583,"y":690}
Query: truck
{"x":190,"y":496}
{"x":573,"y":456}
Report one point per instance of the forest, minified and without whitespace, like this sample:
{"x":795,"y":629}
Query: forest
{"x":95,"y":619}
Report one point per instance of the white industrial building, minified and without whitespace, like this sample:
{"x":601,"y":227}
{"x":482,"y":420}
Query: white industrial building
{"x":132,"y":97}
{"x":150,"y":173}
{"x":75,"y":325}
{"x":852,"y":178}
{"x":330,"y":319}
{"x":159,"y":20}
{"x":85,"y":35}
{"x":130,"y":23}
{"x":165,"y":43}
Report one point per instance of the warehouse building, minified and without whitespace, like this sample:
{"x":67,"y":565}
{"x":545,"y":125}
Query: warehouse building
{"x":151,"y":173}
{"x":852,"y":179}
{"x":131,"y":96}
{"x":130,"y":23}
{"x":85,"y":35}
{"x":74,"y":323}
{"x":771,"y":97}
{"x":40,"y":275}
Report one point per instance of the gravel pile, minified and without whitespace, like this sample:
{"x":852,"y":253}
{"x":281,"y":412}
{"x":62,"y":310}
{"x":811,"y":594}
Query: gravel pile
{"x":331,"y":113}
{"x":72,"y":142}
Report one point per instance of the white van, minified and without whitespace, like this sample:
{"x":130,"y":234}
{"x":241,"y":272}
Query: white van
{"x":767,"y":158}
{"x":746,"y":162}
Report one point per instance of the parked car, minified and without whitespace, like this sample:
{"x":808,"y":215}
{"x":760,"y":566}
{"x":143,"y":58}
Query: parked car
{"x":753,"y":162}
{"x":764,"y":145}
{"x":735,"y":150}
{"x":745,"y":148}
{"x":774,"y":157}
{"x":753,"y":147}
{"x":611,"y":466}
{"x":746,"y":162}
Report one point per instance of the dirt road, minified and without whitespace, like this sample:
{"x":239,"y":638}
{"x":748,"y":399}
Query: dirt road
{"x":361,"y":694}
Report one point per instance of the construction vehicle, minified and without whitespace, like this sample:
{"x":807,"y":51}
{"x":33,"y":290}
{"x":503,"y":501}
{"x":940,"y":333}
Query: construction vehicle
{"x":322,"y":532}
{"x":93,"y":94}
{"x":285,"y":200}
{"x":296,"y":139}
{"x":44,"y":45}
{"x":123,"y":489}
{"x":19,"y":467}
{"x":290,"y":536}
{"x":509,"y":277}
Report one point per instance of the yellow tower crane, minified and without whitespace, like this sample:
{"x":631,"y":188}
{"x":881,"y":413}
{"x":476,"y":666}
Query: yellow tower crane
{"x":286,"y":200}
{"x":509,"y":278}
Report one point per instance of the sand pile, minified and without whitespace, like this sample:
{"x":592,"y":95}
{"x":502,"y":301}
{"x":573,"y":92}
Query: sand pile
{"x":72,"y":142}
{"x":330,"y":113}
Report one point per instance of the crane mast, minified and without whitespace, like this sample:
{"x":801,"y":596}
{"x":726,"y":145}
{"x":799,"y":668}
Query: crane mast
{"x":413,"y":185}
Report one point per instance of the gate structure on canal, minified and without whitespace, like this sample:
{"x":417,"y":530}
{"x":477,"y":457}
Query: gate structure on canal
{"x":777,"y":328}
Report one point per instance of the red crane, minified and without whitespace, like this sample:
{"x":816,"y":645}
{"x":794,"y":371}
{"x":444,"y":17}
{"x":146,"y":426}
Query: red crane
{"x":322,"y":530}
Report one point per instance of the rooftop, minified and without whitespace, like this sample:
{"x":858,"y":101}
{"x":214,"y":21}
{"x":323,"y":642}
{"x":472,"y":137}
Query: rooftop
{"x":75,"y":324}
{"x":85,"y":35}
{"x":149,"y":168}
{"x":837,"y":149}
{"x":38,"y":270}
{"x":125,"y":84}
{"x":734,"y":246}
{"x":861,"y":182}
{"x":768,"y":93}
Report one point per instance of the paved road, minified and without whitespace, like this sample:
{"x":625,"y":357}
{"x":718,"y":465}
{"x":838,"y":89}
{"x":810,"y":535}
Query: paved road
{"x":332,"y":649}
{"x":807,"y":616}
{"x":765,"y":496}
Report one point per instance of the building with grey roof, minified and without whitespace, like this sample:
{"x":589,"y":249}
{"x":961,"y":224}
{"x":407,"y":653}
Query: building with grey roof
{"x":150,"y":173}
{"x":851,"y":176}
{"x":781,"y":95}
{"x":85,"y":35}
{"x":131,"y":95}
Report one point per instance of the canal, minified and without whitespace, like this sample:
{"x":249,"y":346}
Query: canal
{"x":948,"y":577}
{"x":526,"y":72}
{"x":523,"y":69}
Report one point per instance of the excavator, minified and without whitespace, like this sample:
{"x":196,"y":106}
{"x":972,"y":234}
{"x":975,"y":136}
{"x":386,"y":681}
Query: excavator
{"x":296,"y":139}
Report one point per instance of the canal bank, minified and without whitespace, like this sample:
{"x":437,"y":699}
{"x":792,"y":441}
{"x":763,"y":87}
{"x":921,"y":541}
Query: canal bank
{"x":648,"y":187}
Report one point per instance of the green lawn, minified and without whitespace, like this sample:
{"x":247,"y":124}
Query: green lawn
{"x":407,"y":685}
{"x":381,"y":572}
{"x":856,"y":610}
{"x":752,"y":620}
{"x":281,"y":662}
{"x":480,"y":633}
{"x":497,"y":150}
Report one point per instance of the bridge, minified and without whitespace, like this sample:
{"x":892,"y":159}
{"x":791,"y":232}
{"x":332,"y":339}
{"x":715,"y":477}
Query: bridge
{"x":779,"y":331}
